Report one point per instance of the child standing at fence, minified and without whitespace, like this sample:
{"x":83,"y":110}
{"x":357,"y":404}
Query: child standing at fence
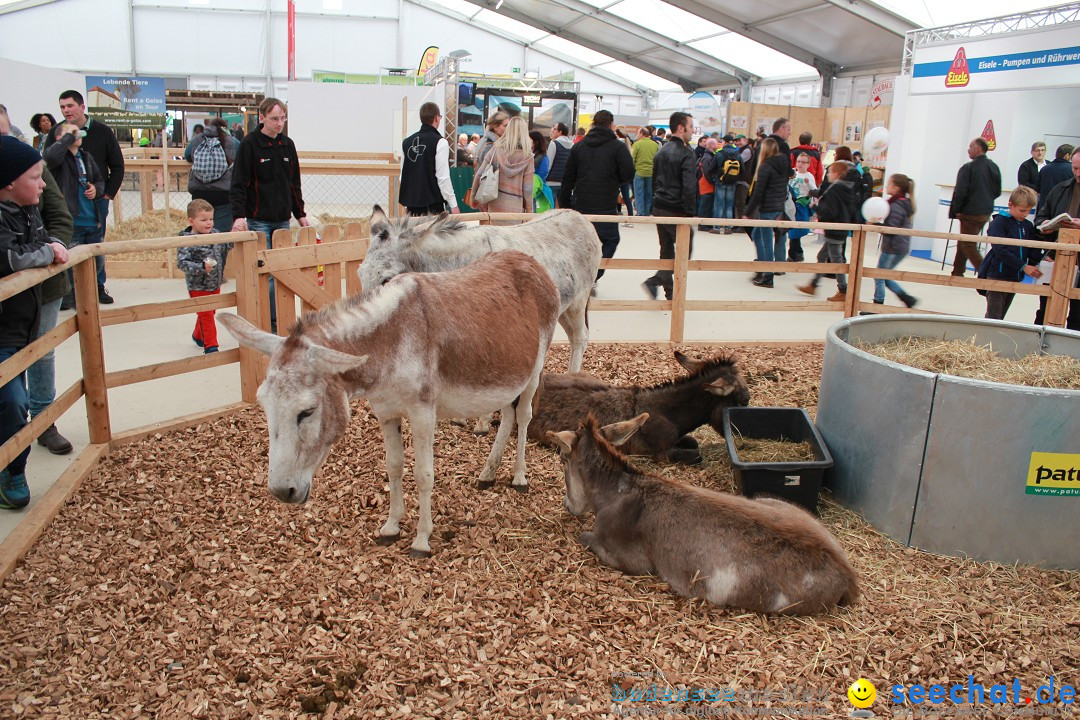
{"x":1011,"y":262}
{"x":203,"y":266}
{"x":900,"y":191}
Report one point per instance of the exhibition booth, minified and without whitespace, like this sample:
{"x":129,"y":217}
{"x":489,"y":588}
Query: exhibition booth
{"x":1011,"y":88}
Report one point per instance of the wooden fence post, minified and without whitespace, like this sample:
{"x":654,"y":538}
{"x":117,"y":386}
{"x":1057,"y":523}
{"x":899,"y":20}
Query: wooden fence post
{"x":248,"y":303}
{"x":146,"y":191}
{"x":1061,"y":282}
{"x":165,"y":176}
{"x":678,"y":297}
{"x":855,"y":271}
{"x":92,"y":351}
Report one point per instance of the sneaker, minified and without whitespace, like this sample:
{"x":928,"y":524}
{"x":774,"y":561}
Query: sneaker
{"x":628,"y":224}
{"x":909,"y":300}
{"x":840,"y":296}
{"x":211,"y":349}
{"x":762,"y":281}
{"x":56,"y":443}
{"x":104,"y":297}
{"x":879,"y":302}
{"x":14,"y":492}
{"x":197,"y":341}
{"x":808,"y":289}
{"x":650,"y":289}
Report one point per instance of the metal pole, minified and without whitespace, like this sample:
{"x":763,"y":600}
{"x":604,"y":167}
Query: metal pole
{"x":292,"y":39}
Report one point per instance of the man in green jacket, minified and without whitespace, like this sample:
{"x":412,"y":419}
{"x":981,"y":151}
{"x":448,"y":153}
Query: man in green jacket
{"x":643,"y":151}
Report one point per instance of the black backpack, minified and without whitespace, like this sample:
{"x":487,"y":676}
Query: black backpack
{"x":726,"y":168}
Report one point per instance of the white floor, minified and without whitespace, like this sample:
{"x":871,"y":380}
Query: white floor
{"x":144,"y":343}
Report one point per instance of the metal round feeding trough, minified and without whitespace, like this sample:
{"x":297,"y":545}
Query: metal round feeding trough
{"x":951,"y":465}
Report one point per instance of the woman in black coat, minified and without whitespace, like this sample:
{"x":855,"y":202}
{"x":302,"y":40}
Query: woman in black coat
{"x":768,"y":193}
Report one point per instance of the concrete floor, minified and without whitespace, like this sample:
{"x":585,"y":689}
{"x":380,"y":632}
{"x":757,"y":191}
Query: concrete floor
{"x":144,"y":343}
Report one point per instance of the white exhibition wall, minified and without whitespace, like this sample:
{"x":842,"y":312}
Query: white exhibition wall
{"x":227,"y":44}
{"x":27,"y":89}
{"x":930,"y":135}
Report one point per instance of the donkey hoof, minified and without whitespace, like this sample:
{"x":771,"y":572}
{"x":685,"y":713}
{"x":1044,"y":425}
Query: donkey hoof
{"x":413,"y":553}
{"x":480,"y":433}
{"x":523,"y":489}
{"x":388,"y":539}
{"x":485,"y":484}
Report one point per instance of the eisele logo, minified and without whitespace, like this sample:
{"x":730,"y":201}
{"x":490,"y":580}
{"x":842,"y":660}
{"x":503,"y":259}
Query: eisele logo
{"x":988,"y":135}
{"x":958,"y":74}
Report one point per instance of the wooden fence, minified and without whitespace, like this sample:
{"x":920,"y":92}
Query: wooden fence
{"x":311,"y":275}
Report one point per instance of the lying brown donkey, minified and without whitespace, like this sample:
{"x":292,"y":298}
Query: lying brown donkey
{"x":675,"y":408}
{"x":763,"y":555}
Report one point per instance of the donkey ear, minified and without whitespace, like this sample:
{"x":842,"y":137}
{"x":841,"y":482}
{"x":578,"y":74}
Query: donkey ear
{"x":249,"y":335}
{"x":563,"y":440}
{"x":377,"y":216}
{"x":721,"y":387}
{"x":618,"y":433}
{"x":333,"y":362}
{"x":692,"y":365}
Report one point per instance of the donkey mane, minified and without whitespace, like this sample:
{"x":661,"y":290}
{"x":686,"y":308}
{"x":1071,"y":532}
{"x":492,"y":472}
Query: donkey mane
{"x":720,"y":362}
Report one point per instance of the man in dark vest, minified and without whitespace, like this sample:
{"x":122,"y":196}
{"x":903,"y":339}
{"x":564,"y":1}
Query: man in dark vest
{"x":558,"y":153}
{"x":425,"y":167}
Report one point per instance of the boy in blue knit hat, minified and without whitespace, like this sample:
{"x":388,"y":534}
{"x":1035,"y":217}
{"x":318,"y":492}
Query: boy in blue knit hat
{"x":24,"y":244}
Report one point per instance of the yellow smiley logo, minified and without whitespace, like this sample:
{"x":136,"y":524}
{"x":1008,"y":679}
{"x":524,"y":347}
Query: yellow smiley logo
{"x":862,"y":693}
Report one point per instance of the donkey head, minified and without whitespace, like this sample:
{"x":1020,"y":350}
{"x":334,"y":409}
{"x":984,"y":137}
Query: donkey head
{"x":584,"y":456}
{"x":390,"y":238}
{"x":724,"y":383}
{"x":305,"y":401}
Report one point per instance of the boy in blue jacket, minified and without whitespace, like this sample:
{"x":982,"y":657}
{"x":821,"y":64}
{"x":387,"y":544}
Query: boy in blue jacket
{"x":1011,"y":262}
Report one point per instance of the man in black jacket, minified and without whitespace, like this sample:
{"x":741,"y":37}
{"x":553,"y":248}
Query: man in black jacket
{"x":1062,"y":198}
{"x":978,"y":184}
{"x":674,"y":195}
{"x":266,"y":182}
{"x":1028,"y":172}
{"x":425,"y":167}
{"x":598,"y":166}
{"x":100,"y":141}
{"x":1057,"y":171}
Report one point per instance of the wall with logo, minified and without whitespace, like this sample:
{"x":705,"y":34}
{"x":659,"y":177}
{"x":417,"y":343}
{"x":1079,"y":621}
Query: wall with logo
{"x":955,"y":94}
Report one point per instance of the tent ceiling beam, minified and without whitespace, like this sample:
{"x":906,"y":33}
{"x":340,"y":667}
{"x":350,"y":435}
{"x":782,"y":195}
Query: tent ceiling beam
{"x":875,"y":14}
{"x":785,"y":16}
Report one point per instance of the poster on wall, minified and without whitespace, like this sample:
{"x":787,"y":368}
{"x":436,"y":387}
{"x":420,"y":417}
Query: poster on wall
{"x":881,"y":94}
{"x":853,"y":132}
{"x":737,"y":124}
{"x":551,"y":111}
{"x":126,"y":101}
{"x":989,"y":136}
{"x":1019,"y":61}
{"x":706,"y":112}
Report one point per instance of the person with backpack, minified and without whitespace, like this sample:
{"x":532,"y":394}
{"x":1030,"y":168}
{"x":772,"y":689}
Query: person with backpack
{"x":558,"y":152}
{"x":211,"y":154}
{"x":727,"y":167}
{"x":705,"y":201}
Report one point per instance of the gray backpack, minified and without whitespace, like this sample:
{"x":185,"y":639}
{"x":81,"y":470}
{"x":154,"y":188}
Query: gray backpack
{"x":209,"y":162}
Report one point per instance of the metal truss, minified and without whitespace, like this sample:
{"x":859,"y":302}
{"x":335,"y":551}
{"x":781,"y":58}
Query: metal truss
{"x":1020,"y":22}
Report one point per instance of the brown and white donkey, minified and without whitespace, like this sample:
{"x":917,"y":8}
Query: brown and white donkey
{"x":763,"y":555}
{"x":427,"y":345}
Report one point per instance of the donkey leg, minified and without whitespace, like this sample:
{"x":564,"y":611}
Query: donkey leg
{"x":395,"y":467}
{"x":483,"y":424}
{"x":423,"y":432}
{"x":574,"y":323}
{"x":523,"y":417}
{"x":487,"y":475}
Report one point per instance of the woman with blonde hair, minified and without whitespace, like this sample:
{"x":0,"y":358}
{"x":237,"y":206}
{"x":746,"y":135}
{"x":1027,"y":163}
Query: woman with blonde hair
{"x":512,"y":155}
{"x":496,"y":126}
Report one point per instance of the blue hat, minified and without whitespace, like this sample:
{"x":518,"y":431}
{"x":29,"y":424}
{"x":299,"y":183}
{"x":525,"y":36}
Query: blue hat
{"x":16,"y":157}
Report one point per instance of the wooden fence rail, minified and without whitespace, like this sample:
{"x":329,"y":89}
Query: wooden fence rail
{"x":309,"y":275}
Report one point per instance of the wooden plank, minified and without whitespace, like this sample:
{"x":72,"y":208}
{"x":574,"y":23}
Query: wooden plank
{"x":945,"y":280}
{"x":678,"y":295}
{"x":170,"y":308}
{"x":284,"y":298}
{"x":289,"y":258}
{"x":17,"y":363}
{"x":157,"y":371}
{"x":353,"y":156}
{"x":834,"y":125}
{"x":1057,"y":307}
{"x":764,"y":114}
{"x":807,"y":119}
{"x":185,"y":421}
{"x":93,"y":353}
{"x":29,"y":432}
{"x":44,"y":510}
{"x":247,"y":307}
{"x":738,"y":118}
{"x":359,"y":233}
{"x":308,"y":237}
{"x":619,"y":305}
{"x":762,"y":305}
{"x":854,"y":274}
{"x":304,"y":288}
{"x":146,"y":190}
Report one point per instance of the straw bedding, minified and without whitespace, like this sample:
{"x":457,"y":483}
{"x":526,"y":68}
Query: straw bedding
{"x":174,"y":586}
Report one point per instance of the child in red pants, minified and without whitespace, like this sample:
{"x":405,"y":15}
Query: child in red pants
{"x":203,"y":266}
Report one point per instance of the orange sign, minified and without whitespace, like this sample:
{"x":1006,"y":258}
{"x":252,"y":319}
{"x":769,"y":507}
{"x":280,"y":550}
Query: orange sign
{"x":988,"y":135}
{"x":429,"y":58}
{"x":958,"y":74}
